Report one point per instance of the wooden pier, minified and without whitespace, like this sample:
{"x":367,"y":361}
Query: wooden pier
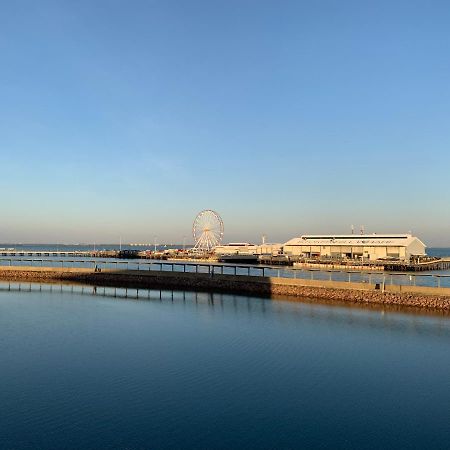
{"x":421,"y":266}
{"x":44,"y":253}
{"x":372,"y":292}
{"x":119,"y":254}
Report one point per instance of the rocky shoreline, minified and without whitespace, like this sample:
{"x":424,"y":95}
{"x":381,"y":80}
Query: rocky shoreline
{"x":341,"y":292}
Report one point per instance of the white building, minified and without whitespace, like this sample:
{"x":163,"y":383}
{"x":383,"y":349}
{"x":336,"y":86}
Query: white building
{"x":369,"y":247}
{"x":245,"y":248}
{"x":236,"y":248}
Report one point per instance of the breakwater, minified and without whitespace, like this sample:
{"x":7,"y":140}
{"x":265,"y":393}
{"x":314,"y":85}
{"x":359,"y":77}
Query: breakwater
{"x":362,"y":293}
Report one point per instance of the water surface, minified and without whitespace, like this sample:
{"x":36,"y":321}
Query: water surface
{"x":187,"y":370}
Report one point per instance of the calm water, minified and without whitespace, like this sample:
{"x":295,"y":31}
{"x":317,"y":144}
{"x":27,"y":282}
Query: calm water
{"x":440,"y":252}
{"x":201,"y":371}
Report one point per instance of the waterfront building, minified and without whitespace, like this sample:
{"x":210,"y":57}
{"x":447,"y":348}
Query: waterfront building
{"x":245,"y":252}
{"x":235,"y":248}
{"x":369,"y":247}
{"x":245,"y":248}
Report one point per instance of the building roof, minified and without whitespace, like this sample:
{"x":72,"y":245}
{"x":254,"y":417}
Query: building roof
{"x":373,"y":240}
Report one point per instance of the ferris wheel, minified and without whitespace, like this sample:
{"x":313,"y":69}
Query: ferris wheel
{"x":207,"y":230}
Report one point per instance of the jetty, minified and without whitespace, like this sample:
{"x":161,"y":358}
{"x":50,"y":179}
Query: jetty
{"x":45,"y":253}
{"x":423,"y":265}
{"x":420,"y":266}
{"x":124,"y":254}
{"x":214,"y":278}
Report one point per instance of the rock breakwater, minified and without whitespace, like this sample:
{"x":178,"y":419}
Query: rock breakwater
{"x":360,"y":293}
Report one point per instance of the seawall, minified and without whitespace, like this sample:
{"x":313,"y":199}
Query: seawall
{"x":361,"y":293}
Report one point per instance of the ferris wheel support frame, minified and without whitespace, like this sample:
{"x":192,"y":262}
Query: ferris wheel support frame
{"x":207,"y":230}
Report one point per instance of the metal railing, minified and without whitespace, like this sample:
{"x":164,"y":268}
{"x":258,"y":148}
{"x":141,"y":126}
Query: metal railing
{"x":340,"y":275}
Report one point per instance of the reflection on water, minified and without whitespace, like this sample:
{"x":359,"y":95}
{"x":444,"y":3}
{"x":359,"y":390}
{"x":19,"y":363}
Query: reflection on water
{"x":353,"y":315}
{"x":86,"y":367}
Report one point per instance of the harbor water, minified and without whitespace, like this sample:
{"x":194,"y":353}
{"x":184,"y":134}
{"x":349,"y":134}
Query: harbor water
{"x":87,"y":367}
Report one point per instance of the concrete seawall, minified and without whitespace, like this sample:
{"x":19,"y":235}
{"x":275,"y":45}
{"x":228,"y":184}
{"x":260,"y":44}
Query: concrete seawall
{"x":362,"y":293}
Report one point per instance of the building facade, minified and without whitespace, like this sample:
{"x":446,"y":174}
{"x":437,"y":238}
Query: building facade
{"x":371,"y":247}
{"x":245,"y":248}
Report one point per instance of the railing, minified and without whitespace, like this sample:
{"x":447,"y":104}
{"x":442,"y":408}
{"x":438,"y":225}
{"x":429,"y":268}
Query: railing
{"x":104,"y":291}
{"x":356,"y":276}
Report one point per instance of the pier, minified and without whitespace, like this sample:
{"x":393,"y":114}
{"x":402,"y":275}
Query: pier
{"x":312,"y":272}
{"x":421,"y":266}
{"x":121,"y":254}
{"x":353,"y":292}
{"x":46,"y":253}
{"x":352,"y":286}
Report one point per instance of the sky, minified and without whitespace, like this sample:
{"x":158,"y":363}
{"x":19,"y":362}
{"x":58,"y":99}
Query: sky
{"x":125,"y":118}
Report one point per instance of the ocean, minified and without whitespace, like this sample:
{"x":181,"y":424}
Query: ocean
{"x":193,"y":370}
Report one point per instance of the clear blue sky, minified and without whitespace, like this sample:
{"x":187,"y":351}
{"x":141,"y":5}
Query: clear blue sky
{"x":287,"y":117}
